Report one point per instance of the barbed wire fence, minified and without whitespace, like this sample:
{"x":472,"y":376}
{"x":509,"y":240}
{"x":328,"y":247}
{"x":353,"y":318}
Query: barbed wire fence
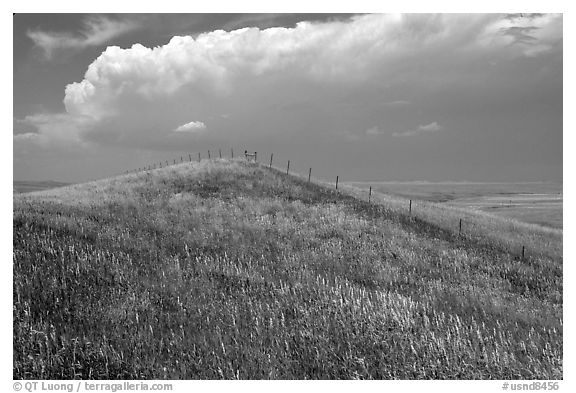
{"x":253,"y":157}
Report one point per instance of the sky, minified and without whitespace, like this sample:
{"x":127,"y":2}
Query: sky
{"x":433,"y":97}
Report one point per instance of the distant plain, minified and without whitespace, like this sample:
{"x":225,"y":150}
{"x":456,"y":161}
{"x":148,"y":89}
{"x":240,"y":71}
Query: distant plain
{"x":536,"y":203}
{"x":20,"y":187}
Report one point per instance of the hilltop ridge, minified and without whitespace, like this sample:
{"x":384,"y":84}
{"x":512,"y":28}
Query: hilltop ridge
{"x":228,"y":269}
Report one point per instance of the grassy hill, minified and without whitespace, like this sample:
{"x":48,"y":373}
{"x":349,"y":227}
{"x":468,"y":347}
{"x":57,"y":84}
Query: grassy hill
{"x":226,"y":269}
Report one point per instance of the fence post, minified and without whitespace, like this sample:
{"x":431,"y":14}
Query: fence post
{"x":166,"y":162}
{"x":271,"y":156}
{"x":208,"y":154}
{"x":410,"y":210}
{"x":336,"y":182}
{"x":309,"y":174}
{"x":288,"y":167}
{"x":370,"y":194}
{"x":460,"y":228}
{"x":174,"y":161}
{"x":181,"y":159}
{"x":522,"y":252}
{"x":220,"y":153}
{"x":199,"y":158}
{"x":190,"y":157}
{"x":232,"y":152}
{"x":255,"y":156}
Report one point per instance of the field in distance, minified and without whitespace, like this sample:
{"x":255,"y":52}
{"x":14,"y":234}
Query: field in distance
{"x":226,"y":269}
{"x":536,"y":202}
{"x":32,"y":186}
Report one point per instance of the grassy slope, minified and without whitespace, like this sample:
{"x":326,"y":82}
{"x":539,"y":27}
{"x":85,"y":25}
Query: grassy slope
{"x":224,"y":269}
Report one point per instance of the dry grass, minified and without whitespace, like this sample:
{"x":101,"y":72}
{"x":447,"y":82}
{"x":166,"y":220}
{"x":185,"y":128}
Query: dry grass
{"x":225,"y":269}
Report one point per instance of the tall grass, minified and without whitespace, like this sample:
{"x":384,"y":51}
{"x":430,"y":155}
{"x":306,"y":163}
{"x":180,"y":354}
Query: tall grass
{"x":225,"y":269}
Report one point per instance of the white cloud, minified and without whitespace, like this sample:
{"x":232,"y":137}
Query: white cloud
{"x":361,"y":50}
{"x":192,"y":127}
{"x":396,"y":103}
{"x":96,"y":30}
{"x":220,"y":63}
{"x":27,"y":136}
{"x":531,"y":35}
{"x":22,"y":126}
{"x":140,"y":91}
{"x":432,"y":127}
{"x":54,"y":128}
{"x":422,"y":129}
{"x":373,"y":131}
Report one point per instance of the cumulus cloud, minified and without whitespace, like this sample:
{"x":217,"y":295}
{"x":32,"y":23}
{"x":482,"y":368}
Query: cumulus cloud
{"x":26,"y":136}
{"x":23,"y":126}
{"x":96,"y":30}
{"x":53,"y":129}
{"x":396,"y":103}
{"x":520,"y":34}
{"x":432,"y":127}
{"x":373,"y":131}
{"x":219,"y":62}
{"x":422,"y":129}
{"x":531,"y":35}
{"x":138,"y":93}
{"x":192,"y":127}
